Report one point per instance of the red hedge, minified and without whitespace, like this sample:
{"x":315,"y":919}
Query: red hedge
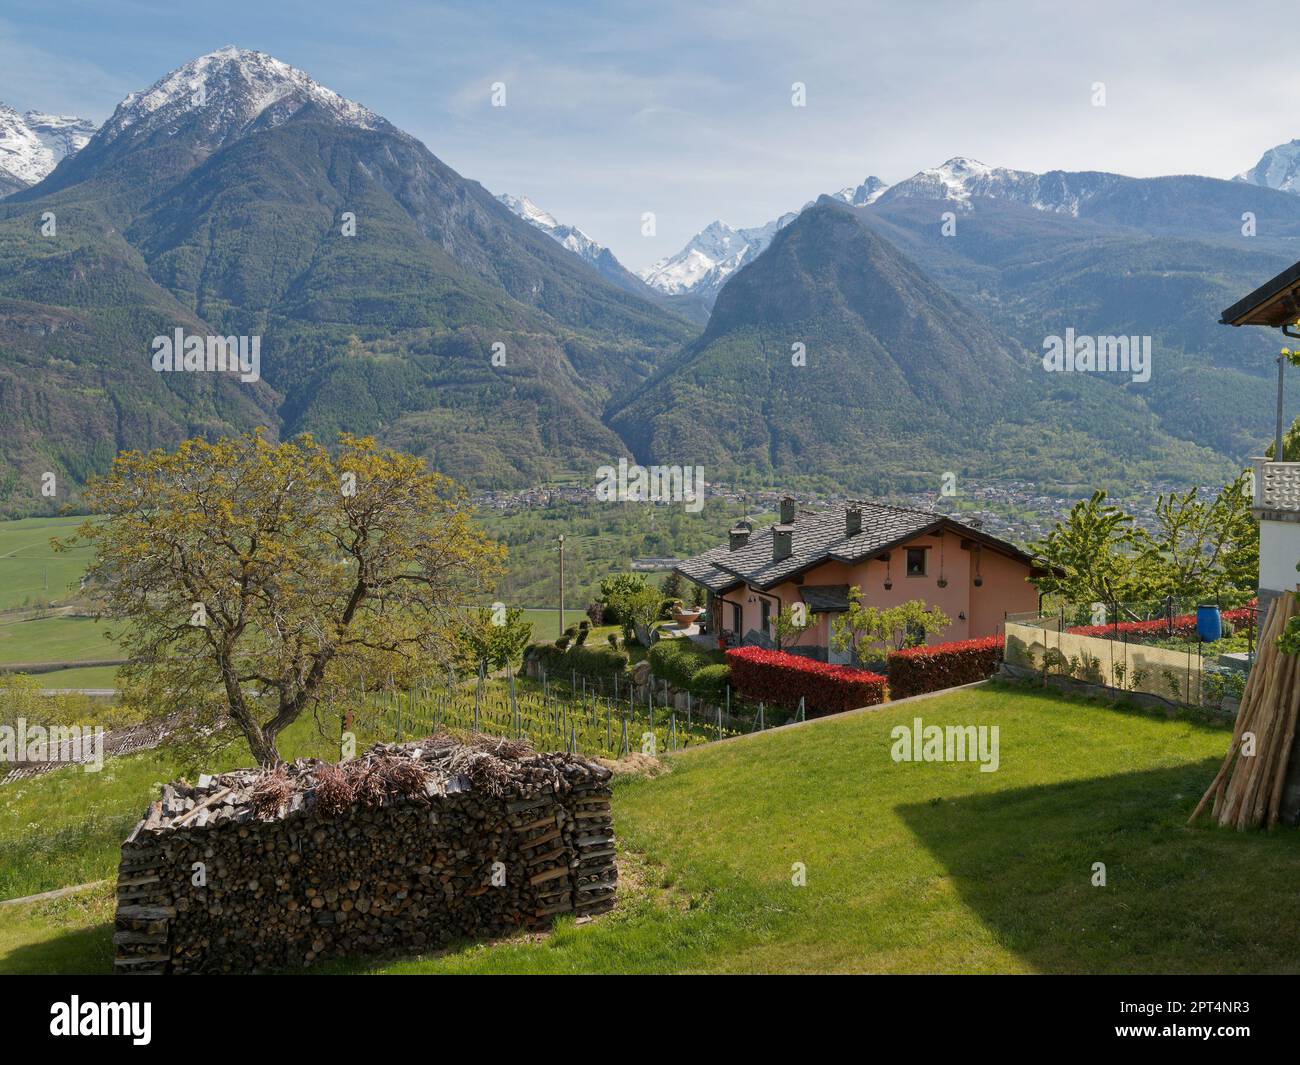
{"x":780,"y":678}
{"x":917,"y":670}
{"x":1183,"y":625}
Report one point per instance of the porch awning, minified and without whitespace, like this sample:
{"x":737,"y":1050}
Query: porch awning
{"x":826,"y":598}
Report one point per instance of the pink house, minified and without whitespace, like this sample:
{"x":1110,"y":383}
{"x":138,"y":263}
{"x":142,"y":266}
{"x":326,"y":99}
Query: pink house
{"x":893,"y":554}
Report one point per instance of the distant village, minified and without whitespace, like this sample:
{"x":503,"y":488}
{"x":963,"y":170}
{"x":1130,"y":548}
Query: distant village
{"x":1015,"y":510}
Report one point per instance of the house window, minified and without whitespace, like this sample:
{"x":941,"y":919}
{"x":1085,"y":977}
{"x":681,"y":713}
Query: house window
{"x":737,"y":620}
{"x":765,"y":616}
{"x":916,"y":561}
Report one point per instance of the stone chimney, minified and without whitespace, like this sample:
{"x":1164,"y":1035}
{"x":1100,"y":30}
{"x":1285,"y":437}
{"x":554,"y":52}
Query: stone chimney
{"x":782,"y":541}
{"x":787,"y":511}
{"x":853,"y":520}
{"x":739,"y":535}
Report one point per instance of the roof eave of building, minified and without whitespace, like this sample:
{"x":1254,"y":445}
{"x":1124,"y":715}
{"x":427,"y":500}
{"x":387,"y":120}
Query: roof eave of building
{"x":853,"y":558}
{"x":1275,"y":303}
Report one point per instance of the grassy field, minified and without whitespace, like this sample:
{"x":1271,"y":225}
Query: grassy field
{"x":81,"y":677}
{"x":911,"y":867}
{"x":58,"y":639}
{"x":30,"y":572}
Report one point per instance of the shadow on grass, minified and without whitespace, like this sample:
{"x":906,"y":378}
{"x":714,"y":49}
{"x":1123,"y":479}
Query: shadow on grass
{"x":1175,"y":899}
{"x":73,"y":952}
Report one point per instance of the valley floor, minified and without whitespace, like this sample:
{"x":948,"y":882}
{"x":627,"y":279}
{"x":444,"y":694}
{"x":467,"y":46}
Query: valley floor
{"x":910,"y":867}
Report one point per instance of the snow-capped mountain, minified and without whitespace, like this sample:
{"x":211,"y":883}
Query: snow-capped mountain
{"x":224,"y":95}
{"x":571,"y":237}
{"x":860,"y":195}
{"x":32,"y":145}
{"x":712,"y":256}
{"x":198,"y":108}
{"x":1278,"y":168}
{"x":576,"y":241}
{"x":961,"y":180}
{"x":718,"y":251}
{"x":61,"y":134}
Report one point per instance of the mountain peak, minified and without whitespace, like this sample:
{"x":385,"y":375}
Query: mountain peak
{"x":33,"y":144}
{"x":711,"y":256}
{"x":231,"y":91}
{"x":573,"y":239}
{"x":529,"y":211}
{"x":961,"y":180}
{"x":1278,"y":168}
{"x":961,"y":164}
{"x":861,"y":195}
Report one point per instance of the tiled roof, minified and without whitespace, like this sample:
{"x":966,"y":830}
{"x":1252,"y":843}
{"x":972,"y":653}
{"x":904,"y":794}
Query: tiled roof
{"x":819,"y":536}
{"x":701,"y":570}
{"x":1280,"y":488}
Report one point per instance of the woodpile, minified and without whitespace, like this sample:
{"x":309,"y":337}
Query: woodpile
{"x":1251,"y":788}
{"x":404,"y":849}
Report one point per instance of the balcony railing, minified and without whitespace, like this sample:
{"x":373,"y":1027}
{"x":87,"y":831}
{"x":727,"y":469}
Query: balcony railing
{"x":1276,"y":485}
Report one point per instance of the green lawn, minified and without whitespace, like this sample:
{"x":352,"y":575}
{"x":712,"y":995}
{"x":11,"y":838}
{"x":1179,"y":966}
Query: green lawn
{"x":546,"y":622}
{"x":910,"y":867}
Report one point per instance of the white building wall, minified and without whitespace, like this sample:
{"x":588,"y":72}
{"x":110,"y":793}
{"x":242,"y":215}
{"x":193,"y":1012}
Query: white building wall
{"x":1279,"y":551}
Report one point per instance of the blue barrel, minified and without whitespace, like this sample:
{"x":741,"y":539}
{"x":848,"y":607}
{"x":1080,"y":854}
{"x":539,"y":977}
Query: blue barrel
{"x":1209,"y":623}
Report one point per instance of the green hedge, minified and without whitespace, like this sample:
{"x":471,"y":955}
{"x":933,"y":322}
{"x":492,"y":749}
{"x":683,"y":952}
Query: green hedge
{"x":680,"y":662}
{"x":710,"y":682}
{"x":592,"y":661}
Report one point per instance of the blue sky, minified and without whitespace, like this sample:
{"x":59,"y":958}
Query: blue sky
{"x":684,"y":109}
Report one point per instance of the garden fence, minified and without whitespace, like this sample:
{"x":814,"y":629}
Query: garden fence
{"x":1151,"y":648}
{"x":579,"y":713}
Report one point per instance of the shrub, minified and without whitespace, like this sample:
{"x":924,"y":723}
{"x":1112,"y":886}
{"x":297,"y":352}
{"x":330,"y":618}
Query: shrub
{"x":710,"y":682}
{"x":581,"y":637}
{"x":780,"y":678}
{"x":545,"y":653}
{"x":1184,"y":625}
{"x":677,"y":661}
{"x":917,"y":670}
{"x":562,"y":643}
{"x":617,"y":593}
{"x":596,"y":661}
{"x":596,"y":614}
{"x":668,"y":607}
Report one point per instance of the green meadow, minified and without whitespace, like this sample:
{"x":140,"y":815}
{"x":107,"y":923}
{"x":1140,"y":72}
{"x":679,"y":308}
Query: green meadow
{"x":908,"y":867}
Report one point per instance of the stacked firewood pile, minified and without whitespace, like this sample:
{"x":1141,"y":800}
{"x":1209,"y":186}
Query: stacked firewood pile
{"x":405,"y":848}
{"x":1251,"y":787}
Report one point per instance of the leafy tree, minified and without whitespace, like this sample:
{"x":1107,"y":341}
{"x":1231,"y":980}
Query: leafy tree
{"x":1199,"y":549}
{"x":1290,"y":444}
{"x":1089,"y":557}
{"x":256,"y":579}
{"x":616,"y":593}
{"x":1196,"y":549}
{"x":789,"y":626}
{"x":870,"y":631}
{"x":499,"y":645}
{"x":672,"y":586}
{"x":640,"y":611}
